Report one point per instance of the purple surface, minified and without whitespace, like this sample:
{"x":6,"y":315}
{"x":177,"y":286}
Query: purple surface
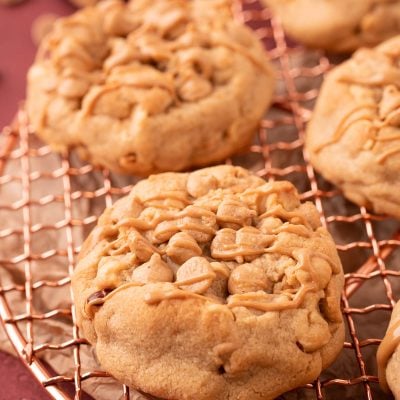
{"x":16,"y":54}
{"x":16,"y":381}
{"x":17,"y":50}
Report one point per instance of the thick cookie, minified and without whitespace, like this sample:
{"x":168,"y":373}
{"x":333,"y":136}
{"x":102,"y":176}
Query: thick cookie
{"x":353,"y":138}
{"x":150,"y":86}
{"x":338,"y":25}
{"x":388,"y":356}
{"x":211,"y":285}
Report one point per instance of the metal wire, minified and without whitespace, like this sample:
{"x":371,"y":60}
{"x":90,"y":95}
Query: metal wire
{"x":273,"y":156}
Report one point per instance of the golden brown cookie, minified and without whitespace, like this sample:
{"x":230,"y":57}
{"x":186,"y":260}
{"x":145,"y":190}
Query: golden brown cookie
{"x":211,"y":285}
{"x":353,"y":138}
{"x":338,"y":25}
{"x":150,"y":85}
{"x":388,"y":356}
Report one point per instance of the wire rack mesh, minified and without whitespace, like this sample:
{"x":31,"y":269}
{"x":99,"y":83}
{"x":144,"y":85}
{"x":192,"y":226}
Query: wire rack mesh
{"x":369,"y":245}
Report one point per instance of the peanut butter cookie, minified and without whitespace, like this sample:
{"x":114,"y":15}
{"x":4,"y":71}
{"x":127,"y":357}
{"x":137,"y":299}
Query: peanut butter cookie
{"x":388,"y":356}
{"x":211,"y":285}
{"x":353,"y":137}
{"x":338,"y":25}
{"x":150,"y":86}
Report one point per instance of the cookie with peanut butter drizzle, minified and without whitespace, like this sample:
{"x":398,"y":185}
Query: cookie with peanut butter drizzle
{"x":211,"y":285}
{"x":353,"y":138}
{"x":338,"y":25}
{"x":388,"y":356}
{"x":150,"y":86}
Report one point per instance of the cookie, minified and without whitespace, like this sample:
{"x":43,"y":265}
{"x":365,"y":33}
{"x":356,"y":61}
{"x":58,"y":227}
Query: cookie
{"x":211,"y":285}
{"x":388,"y":356}
{"x":353,"y":137}
{"x":150,"y":86}
{"x":338,"y":25}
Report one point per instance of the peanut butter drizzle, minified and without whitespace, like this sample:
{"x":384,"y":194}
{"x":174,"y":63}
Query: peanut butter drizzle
{"x":155,"y":296}
{"x":231,"y":251}
{"x":187,"y":226}
{"x":389,"y":117}
{"x":192,"y":211}
{"x":91,"y":103}
{"x":323,"y":256}
{"x":385,"y":351}
{"x":243,"y":51}
{"x":92,"y":77}
{"x":89,"y":305}
{"x":298,"y":230}
{"x":376,"y":124}
{"x":251,"y":300}
{"x":384,"y":79}
{"x":264,"y":189}
{"x":217,"y":267}
{"x":279,"y":212}
{"x":345,"y":124}
{"x":168,"y":293}
{"x":167,"y":195}
{"x":229,"y":219}
{"x":388,"y":138}
{"x":77,"y":52}
{"x":305,"y":257}
{"x":237,"y":251}
{"x":195,"y":279}
{"x":251,"y":242}
{"x":138,"y":223}
{"x":381,"y":158}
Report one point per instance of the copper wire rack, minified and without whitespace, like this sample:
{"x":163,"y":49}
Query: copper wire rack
{"x":368,"y":244}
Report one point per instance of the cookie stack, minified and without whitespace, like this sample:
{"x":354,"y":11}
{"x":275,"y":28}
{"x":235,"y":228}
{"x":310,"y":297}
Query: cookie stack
{"x":214,"y":284}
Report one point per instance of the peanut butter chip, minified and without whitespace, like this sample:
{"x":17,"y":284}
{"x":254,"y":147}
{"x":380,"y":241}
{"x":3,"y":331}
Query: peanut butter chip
{"x":199,"y":183}
{"x":248,"y":278}
{"x":195,"y":275}
{"x":199,"y":222}
{"x":245,"y":244}
{"x":140,"y":246}
{"x":181,"y":247}
{"x":219,"y":286}
{"x":268,"y":225}
{"x":195,"y":89}
{"x":109,"y":271}
{"x":234,"y":214}
{"x":155,"y":270}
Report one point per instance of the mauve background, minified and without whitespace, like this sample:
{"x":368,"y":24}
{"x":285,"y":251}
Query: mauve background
{"x":16,"y":54}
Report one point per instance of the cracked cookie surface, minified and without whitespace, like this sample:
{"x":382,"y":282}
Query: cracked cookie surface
{"x":338,"y":25}
{"x":211,"y":285}
{"x":353,"y":137}
{"x":150,"y":86}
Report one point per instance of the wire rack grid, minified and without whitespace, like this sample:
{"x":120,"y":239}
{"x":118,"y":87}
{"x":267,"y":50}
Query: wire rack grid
{"x":368,"y":244}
